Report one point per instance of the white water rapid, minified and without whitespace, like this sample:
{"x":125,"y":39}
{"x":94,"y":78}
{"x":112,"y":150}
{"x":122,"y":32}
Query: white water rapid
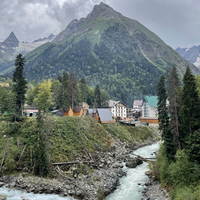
{"x":129,"y":188}
{"x":20,"y":195}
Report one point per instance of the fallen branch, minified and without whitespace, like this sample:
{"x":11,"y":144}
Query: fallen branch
{"x":143,"y":159}
{"x":73,"y":162}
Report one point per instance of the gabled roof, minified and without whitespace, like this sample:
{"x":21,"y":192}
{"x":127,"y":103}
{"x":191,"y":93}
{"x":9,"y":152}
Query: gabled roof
{"x":90,"y":110}
{"x":112,"y":103}
{"x":104,"y":114}
{"x":152,"y":100}
{"x":85,"y":105}
{"x":137,"y":102}
{"x":78,"y":109}
{"x":55,"y":111}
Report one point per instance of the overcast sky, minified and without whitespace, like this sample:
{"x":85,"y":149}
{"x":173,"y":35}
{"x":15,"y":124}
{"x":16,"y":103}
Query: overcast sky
{"x":174,"y":21}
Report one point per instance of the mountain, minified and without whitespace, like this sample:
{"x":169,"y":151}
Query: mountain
{"x":46,"y":39}
{"x":106,"y":48}
{"x":11,"y":46}
{"x":6,"y":47}
{"x":191,"y":54}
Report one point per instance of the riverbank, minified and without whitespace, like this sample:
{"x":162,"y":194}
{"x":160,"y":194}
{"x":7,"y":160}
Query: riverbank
{"x":154,"y":190}
{"x":96,"y":185}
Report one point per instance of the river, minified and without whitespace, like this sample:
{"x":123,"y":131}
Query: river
{"x":20,"y":195}
{"x":128,"y":189}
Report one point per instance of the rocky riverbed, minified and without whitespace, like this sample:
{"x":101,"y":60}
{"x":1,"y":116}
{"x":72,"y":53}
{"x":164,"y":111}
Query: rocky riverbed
{"x":154,"y":191}
{"x":98,"y":180}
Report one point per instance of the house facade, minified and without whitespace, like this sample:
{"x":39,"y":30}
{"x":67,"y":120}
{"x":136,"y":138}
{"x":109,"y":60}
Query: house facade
{"x":149,"y":109}
{"x":78,"y":111}
{"x":117,"y":109}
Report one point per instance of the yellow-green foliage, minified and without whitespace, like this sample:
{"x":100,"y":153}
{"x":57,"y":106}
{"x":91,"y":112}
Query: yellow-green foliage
{"x":130,"y":134}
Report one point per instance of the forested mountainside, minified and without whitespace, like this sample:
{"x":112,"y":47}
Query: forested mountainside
{"x":106,"y":48}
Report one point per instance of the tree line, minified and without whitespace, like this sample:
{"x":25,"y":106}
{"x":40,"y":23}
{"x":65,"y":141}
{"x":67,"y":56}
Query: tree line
{"x":178,"y":163}
{"x":61,"y":93}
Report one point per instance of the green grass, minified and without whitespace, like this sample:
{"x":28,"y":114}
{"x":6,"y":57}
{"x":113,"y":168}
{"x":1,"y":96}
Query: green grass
{"x":64,"y":140}
{"x":130,"y":134}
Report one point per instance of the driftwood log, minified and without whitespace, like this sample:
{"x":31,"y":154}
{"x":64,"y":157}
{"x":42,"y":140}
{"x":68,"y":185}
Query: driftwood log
{"x":74,"y":162}
{"x":144,"y":159}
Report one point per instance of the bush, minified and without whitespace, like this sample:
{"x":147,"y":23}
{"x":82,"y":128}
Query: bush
{"x":183,"y":172}
{"x":184,"y":194}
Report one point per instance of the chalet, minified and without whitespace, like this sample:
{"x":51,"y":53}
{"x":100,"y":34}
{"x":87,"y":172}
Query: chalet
{"x":68,"y":112}
{"x":117,"y":109}
{"x":103,"y":115}
{"x":78,"y":111}
{"x":149,"y":109}
{"x":57,"y":112}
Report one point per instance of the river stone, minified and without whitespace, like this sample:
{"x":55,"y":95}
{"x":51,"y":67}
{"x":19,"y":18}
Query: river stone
{"x":1,"y":184}
{"x":117,"y":165}
{"x":133,"y":162}
{"x":3,"y":197}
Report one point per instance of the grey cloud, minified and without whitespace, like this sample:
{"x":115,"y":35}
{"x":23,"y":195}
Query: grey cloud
{"x":174,"y":21}
{"x":31,"y":19}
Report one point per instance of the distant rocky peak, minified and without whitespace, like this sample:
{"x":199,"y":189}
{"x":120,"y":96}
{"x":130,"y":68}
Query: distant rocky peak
{"x":11,"y":40}
{"x":104,"y":11}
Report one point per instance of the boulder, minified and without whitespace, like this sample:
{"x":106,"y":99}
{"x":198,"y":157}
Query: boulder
{"x":117,"y":165}
{"x":133,"y":162}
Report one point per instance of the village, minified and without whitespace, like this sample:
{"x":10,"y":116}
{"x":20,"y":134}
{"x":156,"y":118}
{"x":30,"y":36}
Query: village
{"x":143,"y":111}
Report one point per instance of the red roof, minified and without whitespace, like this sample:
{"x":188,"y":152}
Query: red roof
{"x":78,"y":109}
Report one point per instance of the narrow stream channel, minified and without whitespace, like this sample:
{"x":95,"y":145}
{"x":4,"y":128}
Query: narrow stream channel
{"x":129,"y":188}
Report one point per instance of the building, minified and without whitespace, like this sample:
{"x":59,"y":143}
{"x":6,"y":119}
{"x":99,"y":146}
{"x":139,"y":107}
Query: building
{"x":31,"y":112}
{"x":103,"y":115}
{"x":78,"y":111}
{"x":57,"y":112}
{"x":68,"y":112}
{"x":149,"y":109}
{"x":137,"y":104}
{"x":117,"y":108}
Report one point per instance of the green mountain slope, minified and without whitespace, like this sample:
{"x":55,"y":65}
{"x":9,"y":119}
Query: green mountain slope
{"x":108,"y":49}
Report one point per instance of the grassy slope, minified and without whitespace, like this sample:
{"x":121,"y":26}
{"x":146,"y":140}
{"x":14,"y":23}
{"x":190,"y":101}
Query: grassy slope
{"x":62,"y":140}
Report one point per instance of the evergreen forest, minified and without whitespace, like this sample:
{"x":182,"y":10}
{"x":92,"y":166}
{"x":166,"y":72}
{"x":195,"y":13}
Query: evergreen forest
{"x":178,"y":162}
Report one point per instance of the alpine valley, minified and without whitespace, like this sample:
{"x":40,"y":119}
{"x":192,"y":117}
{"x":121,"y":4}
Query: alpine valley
{"x":106,"y":48}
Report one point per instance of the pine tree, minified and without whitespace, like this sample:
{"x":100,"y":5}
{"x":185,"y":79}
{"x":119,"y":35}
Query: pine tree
{"x":162,"y":108}
{"x":190,"y":109}
{"x":20,"y":83}
{"x":174,"y":106}
{"x":83,"y":90}
{"x":41,"y":166}
{"x":73,"y":90}
{"x":163,"y":118}
{"x":97,"y":96}
{"x":65,"y":88}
